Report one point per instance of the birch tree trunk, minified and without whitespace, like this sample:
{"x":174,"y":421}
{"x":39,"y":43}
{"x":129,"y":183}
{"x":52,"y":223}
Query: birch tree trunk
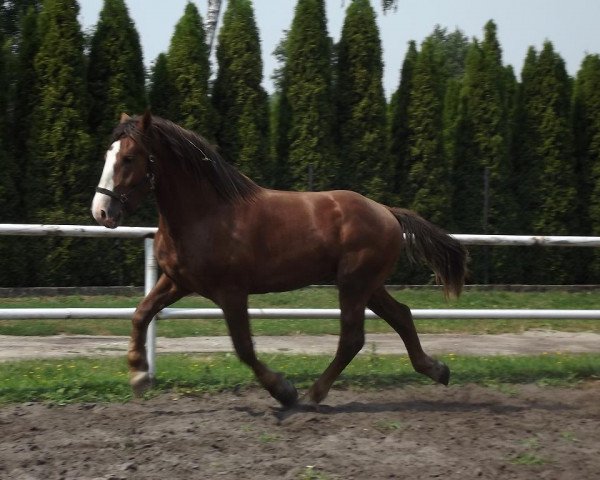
{"x":212,"y":19}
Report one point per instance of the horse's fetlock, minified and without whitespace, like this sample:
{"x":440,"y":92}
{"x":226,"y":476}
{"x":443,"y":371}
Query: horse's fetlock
{"x":137,"y":360}
{"x":316,"y":395}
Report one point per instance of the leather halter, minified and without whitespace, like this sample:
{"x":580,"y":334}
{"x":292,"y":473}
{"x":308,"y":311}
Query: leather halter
{"x":124,"y":197}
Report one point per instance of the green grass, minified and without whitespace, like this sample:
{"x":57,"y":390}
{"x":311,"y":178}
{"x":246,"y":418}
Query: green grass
{"x":529,"y":454}
{"x":317,"y":298}
{"x":311,"y":473}
{"x":327,"y":298}
{"x":106,"y":379}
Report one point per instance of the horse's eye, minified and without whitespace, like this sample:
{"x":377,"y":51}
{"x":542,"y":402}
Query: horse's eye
{"x":128,"y":159}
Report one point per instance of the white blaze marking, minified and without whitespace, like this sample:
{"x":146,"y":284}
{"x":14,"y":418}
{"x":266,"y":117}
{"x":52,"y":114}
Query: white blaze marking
{"x":101,"y":201}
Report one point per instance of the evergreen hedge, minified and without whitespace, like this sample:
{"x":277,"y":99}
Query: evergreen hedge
{"x":457,"y":113}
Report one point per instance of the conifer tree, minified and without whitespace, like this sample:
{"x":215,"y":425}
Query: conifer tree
{"x":116,"y":84}
{"x":482,"y":148}
{"x":455,"y":47}
{"x":438,"y":67}
{"x":60,"y":140}
{"x":15,"y":132}
{"x":544,"y":149}
{"x":306,"y":106}
{"x":361,"y":105}
{"x":189,"y":71}
{"x":452,"y":49}
{"x":8,"y":168}
{"x":429,"y":171}
{"x":280,"y":118}
{"x":399,"y":130}
{"x":450,"y":118}
{"x":523,"y":152}
{"x":116,"y":76}
{"x":586,"y":126}
{"x":160,"y":89}
{"x":9,"y":200}
{"x":11,"y":12}
{"x":60,"y":173}
{"x":427,"y":188}
{"x":240,"y":100}
{"x":25,"y":96}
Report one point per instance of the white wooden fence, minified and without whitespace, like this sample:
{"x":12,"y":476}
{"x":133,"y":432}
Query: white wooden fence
{"x":151,"y":276}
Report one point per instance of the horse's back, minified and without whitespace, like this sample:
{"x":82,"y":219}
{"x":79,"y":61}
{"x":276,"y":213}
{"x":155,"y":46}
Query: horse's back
{"x":336,"y":213}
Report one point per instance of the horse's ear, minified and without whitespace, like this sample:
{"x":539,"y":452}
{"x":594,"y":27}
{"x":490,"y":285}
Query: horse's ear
{"x":146,"y":120}
{"x":125,"y":117}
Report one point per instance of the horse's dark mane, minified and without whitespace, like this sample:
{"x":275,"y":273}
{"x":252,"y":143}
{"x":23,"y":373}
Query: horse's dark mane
{"x":200,"y":159}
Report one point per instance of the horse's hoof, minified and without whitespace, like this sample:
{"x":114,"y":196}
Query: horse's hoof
{"x":316,"y":394}
{"x":288,"y":395}
{"x":140,"y":382}
{"x":283,"y":391}
{"x":308,"y":404}
{"x":443,"y":373}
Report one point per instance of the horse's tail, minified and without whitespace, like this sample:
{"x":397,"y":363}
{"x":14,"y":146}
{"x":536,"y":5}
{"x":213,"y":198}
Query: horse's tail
{"x":426,"y":242}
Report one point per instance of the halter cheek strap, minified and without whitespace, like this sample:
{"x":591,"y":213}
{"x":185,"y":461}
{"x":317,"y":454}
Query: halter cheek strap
{"x":124,"y":197}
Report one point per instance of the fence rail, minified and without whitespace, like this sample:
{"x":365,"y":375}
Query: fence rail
{"x":30,"y":230}
{"x":38,"y":230}
{"x":151,"y":274}
{"x":296,"y":313}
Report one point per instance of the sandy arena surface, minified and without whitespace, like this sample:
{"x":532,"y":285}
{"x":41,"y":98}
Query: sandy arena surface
{"x":460,"y":432}
{"x":467,"y":432}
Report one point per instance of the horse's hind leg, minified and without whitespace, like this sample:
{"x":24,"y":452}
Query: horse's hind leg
{"x":164,"y":293}
{"x":235,"y":309}
{"x":351,"y":341}
{"x":398,"y":316}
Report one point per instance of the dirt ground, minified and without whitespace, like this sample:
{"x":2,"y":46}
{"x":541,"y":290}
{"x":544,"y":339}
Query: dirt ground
{"x":516,"y":432}
{"x":531,"y":342}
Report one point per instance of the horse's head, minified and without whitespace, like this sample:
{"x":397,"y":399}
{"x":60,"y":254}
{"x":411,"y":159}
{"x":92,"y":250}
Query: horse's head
{"x":127,"y":176}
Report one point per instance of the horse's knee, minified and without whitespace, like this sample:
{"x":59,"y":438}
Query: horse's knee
{"x":358,"y":341}
{"x":403,"y":310}
{"x":352,"y":343}
{"x":141,"y":318}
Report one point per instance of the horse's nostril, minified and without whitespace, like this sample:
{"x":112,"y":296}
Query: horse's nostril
{"x":103,"y":214}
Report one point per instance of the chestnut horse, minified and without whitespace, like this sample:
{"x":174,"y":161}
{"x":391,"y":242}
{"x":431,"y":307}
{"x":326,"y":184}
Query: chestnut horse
{"x":224,"y":237}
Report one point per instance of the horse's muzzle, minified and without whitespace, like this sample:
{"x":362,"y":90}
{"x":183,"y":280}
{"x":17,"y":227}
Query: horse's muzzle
{"x":107,"y":211}
{"x":110,"y":222}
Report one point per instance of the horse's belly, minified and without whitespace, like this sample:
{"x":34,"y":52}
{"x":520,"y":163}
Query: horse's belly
{"x":292,"y":269}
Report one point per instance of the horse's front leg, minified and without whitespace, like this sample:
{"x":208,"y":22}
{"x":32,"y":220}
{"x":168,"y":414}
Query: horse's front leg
{"x":164,"y":293}
{"x":235,"y":309}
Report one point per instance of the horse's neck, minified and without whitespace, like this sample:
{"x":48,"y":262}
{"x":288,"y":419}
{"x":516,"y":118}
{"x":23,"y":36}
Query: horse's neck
{"x":182,"y":199}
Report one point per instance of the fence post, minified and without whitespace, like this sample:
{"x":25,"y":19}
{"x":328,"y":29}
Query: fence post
{"x":149,"y":282}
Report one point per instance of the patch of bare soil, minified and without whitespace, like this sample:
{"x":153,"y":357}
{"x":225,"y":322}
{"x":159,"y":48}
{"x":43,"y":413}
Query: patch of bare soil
{"x":517,"y":432}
